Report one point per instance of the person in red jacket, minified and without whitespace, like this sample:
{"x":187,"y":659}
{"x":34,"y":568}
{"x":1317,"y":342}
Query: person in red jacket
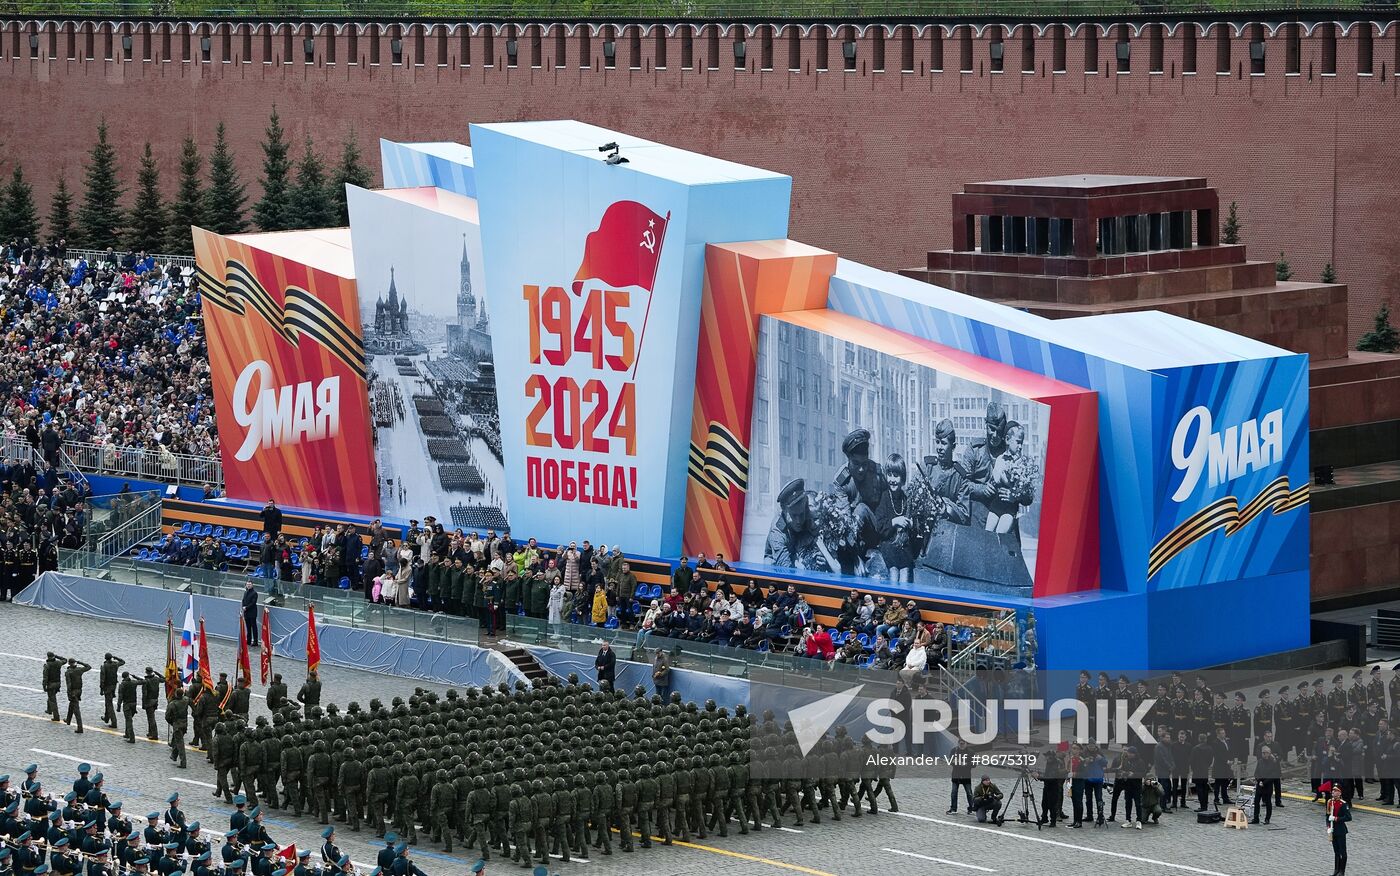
{"x":822,"y":643}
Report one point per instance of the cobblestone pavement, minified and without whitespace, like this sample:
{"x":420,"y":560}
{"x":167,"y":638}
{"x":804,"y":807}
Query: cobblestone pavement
{"x":920,"y":839}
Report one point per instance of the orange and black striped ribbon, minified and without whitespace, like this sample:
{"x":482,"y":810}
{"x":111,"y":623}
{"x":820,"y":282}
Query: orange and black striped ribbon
{"x":724,"y":463}
{"x":301,"y":313}
{"x":1226,"y":513}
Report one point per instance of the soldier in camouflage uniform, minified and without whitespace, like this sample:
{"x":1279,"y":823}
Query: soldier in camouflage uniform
{"x":293,"y":766}
{"x":604,"y":804}
{"x":351,"y":781}
{"x":480,"y":806}
{"x":522,"y":823}
{"x":318,"y":775}
{"x":271,"y":766}
{"x":406,"y":804}
{"x":443,"y":804}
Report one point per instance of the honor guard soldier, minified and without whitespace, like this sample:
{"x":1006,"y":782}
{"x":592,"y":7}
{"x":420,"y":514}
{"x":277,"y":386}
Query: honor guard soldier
{"x":82,"y":784}
{"x":154,"y":834}
{"x":195,"y":844}
{"x":150,"y":700}
{"x":129,"y":850}
{"x":27,"y":857}
{"x":1238,"y":730}
{"x":117,"y":825}
{"x":63,"y":860}
{"x":8,"y":795}
{"x":99,"y":865}
{"x":330,"y":852}
{"x":97,"y":801}
{"x":178,"y":827}
{"x":232,"y":849}
{"x":73,"y":682}
{"x":53,"y":682}
{"x":1357,"y":695}
{"x":385,"y":858}
{"x":126,"y":704}
{"x":303,"y":861}
{"x":202,"y":866}
{"x":107,"y":679}
{"x":238,"y":818}
{"x":31,"y":778}
{"x":254,"y":832}
{"x":1336,"y":702}
{"x":6,"y":868}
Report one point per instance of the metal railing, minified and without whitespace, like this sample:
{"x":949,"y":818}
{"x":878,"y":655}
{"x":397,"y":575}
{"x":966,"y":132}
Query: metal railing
{"x":96,"y":255}
{"x":996,"y":644}
{"x":174,"y":468}
{"x":120,"y":522}
{"x":344,"y":608}
{"x":731,"y":661}
{"x":671,"y":9}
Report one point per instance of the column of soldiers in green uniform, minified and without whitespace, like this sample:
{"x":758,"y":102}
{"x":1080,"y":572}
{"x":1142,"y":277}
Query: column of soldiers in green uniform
{"x":1343,"y":732}
{"x":461,"y":769}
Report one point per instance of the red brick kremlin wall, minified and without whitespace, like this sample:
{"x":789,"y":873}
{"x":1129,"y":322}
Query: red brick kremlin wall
{"x":875,"y":151}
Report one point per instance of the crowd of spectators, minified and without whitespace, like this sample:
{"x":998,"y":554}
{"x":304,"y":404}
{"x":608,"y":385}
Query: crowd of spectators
{"x":109,"y":352}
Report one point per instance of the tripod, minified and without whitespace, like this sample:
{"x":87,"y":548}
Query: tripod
{"x":1030,"y":810}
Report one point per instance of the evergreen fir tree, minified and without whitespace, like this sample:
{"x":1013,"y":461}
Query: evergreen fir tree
{"x":1329,"y":274}
{"x":147,"y":226}
{"x":272,"y":212}
{"x":61,"y":212}
{"x":1230,"y":233}
{"x":100,"y":216}
{"x":18,"y":218}
{"x":188,"y":208}
{"x":350,"y":172}
{"x":227,"y":195}
{"x":311,"y":205}
{"x":1282,"y":270}
{"x":1382,"y":338}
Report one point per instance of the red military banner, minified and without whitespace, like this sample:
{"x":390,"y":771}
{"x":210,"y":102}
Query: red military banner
{"x":313,"y":644}
{"x":265,"y":669}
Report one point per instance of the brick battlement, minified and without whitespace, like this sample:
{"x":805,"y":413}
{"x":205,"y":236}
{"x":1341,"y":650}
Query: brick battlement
{"x":876,"y":142}
{"x":1352,"y":49}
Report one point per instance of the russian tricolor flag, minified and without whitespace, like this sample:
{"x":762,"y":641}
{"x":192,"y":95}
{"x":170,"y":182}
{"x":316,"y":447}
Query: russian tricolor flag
{"x":189,"y":646}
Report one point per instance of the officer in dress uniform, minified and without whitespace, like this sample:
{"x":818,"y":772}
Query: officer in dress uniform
{"x":303,"y":867}
{"x":1285,"y":722}
{"x":1336,"y":702}
{"x":1238,"y":730}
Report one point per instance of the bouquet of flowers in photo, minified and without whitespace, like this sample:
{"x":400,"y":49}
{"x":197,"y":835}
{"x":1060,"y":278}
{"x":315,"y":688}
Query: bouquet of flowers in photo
{"x":923,"y":503}
{"x":1022,"y":477}
{"x":836,"y":523}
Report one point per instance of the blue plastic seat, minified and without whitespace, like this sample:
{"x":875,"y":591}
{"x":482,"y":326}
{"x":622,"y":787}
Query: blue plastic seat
{"x":204,"y":530}
{"x":764,"y":647}
{"x":636,"y":607}
{"x":143,"y":554}
{"x":344,"y":583}
{"x":864,"y":639}
{"x":223,"y":567}
{"x":218,"y":533}
{"x":611,"y":624}
{"x":183,"y":527}
{"x":364,"y":551}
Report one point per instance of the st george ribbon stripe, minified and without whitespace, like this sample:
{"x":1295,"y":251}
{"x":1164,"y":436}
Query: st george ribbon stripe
{"x":724,"y":462}
{"x":302,"y":314}
{"x":1225,"y":513}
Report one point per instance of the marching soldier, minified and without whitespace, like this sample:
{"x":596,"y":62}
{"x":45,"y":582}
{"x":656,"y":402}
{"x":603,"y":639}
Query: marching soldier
{"x":276,"y":693}
{"x":310,"y":694}
{"x":73,"y":681}
{"x":126,"y":702}
{"x":351,"y":782}
{"x":150,"y":700}
{"x":53,"y":676}
{"x":178,"y":828}
{"x":225,"y":752}
{"x":303,"y":867}
{"x":108,"y":683}
{"x":293,"y":767}
{"x":250,"y":761}
{"x":272,"y":765}
{"x":177,"y":716}
{"x":442,"y":804}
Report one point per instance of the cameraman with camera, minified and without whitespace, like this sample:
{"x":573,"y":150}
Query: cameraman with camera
{"x":1052,"y":793}
{"x":986,"y":797}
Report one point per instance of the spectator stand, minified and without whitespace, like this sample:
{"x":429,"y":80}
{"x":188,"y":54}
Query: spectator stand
{"x":120,"y":522}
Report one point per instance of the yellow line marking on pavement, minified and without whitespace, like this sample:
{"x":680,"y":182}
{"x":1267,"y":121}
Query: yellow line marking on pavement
{"x":740,"y":855}
{"x":140,"y":737}
{"x":1363,"y":807}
